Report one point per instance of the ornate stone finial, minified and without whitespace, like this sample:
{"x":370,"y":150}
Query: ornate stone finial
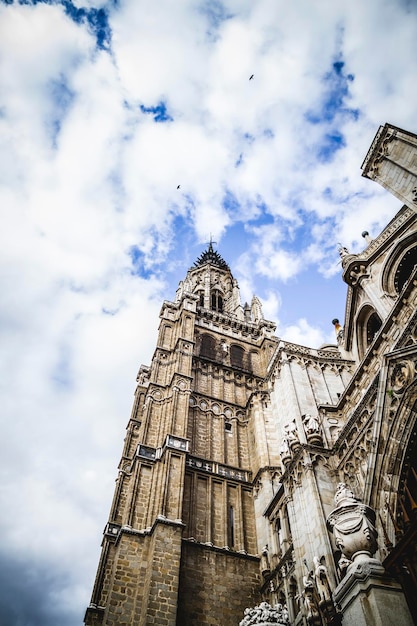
{"x":345,"y":255}
{"x":353,"y":526}
{"x":256,"y":309}
{"x":344,"y":495}
{"x":265,"y":615}
{"x":343,"y":251}
{"x":339,"y":331}
{"x":211,"y":256}
{"x":366,"y":236}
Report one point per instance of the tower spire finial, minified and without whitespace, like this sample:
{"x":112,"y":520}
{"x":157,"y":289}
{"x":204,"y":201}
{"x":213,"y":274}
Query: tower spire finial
{"x":211,"y":242}
{"x":211,"y":256}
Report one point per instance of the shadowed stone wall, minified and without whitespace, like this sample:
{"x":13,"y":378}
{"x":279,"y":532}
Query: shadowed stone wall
{"x":215,"y":586}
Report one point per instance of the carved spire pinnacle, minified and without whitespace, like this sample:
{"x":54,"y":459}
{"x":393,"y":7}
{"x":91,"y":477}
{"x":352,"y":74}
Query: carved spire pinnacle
{"x":213,"y":257}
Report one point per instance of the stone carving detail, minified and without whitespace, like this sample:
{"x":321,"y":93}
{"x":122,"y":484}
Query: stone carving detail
{"x":322,"y":580}
{"x":290,"y":431}
{"x":312,"y":429}
{"x":317,"y":595}
{"x":402,"y":375}
{"x":356,"y":273}
{"x":290,"y":442}
{"x":310,"y":602}
{"x":264,"y":615}
{"x":265,"y":565}
{"x":256,"y":309}
{"x":143,"y":375}
{"x":285,"y":451}
{"x":353,"y":526}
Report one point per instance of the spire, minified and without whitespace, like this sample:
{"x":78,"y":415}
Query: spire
{"x":211,"y":256}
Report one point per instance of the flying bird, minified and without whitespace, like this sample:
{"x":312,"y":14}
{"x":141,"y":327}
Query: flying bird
{"x":178,"y":186}
{"x":250,"y":77}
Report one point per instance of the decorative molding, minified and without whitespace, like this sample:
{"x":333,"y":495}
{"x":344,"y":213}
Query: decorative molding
{"x":207,"y":545}
{"x":218,"y":469}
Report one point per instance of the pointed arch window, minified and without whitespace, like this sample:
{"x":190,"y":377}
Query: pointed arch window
{"x":399,"y":266}
{"x":368,"y":326}
{"x":237,"y":356}
{"x":200,"y":295}
{"x":405,"y":268}
{"x":216,"y":301}
{"x":208,"y":346}
{"x":373,"y":325}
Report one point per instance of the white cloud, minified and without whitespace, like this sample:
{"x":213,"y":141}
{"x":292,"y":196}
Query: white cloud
{"x":304,"y":334}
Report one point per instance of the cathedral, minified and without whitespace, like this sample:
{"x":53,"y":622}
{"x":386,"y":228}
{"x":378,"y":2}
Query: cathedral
{"x":265,"y":482}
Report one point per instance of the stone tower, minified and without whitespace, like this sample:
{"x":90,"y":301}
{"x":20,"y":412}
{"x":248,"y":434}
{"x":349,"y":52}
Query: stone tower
{"x":261,"y":477}
{"x":180,"y":544}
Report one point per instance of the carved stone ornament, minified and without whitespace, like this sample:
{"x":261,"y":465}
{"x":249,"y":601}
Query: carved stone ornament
{"x":310,"y":603}
{"x":353,"y":526}
{"x":291,"y":433}
{"x":402,"y":375}
{"x":285,"y":451}
{"x":312,"y":429}
{"x":264,"y":615}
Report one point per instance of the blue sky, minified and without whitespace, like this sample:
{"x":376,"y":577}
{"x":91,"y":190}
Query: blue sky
{"x":105,"y":108}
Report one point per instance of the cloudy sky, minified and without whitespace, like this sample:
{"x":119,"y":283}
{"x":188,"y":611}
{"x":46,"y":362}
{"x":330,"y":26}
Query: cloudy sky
{"x":105,"y":108}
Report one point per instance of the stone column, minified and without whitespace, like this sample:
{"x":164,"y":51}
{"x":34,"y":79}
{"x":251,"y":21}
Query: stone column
{"x":366,"y":595}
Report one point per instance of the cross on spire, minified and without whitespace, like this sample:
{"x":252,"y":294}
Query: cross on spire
{"x":211,"y":256}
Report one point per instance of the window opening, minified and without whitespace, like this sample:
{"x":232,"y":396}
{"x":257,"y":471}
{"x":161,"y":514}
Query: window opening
{"x":208,"y":346}
{"x":216,"y":301}
{"x":236,"y":356}
{"x":405,"y":268}
{"x":278,"y":529}
{"x":373,"y":325}
{"x":231,"y":526}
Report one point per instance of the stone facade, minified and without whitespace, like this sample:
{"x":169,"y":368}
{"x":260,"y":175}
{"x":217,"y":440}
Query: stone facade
{"x":238,"y":440}
{"x":392,"y":162}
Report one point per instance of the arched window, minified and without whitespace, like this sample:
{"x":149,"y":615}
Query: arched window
{"x":367,"y":327}
{"x":200,"y":295}
{"x":404,"y":269}
{"x":373,"y":325}
{"x":208,"y":346}
{"x":399,"y":266}
{"x":236,"y":356}
{"x":216,"y":301}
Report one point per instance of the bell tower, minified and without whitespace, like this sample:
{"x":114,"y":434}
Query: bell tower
{"x":180,"y":546}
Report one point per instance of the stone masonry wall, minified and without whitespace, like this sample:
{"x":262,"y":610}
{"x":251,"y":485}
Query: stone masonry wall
{"x":392,"y":162}
{"x":216,"y":586}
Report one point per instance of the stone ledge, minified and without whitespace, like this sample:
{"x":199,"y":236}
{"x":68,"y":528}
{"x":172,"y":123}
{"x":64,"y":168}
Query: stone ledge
{"x":94,"y":614}
{"x":361,"y":577}
{"x":145,"y":532}
{"x":190,"y":541}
